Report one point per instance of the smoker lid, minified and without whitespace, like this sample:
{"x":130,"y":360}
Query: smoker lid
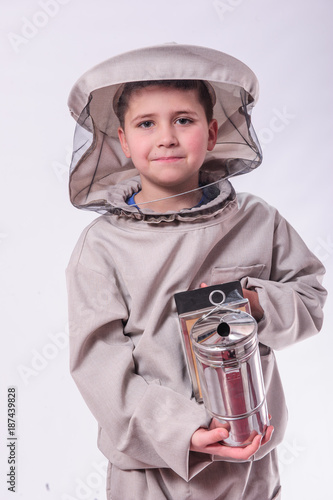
{"x":223,"y":329}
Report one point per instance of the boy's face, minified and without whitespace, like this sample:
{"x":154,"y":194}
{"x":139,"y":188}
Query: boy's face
{"x":166,"y":135}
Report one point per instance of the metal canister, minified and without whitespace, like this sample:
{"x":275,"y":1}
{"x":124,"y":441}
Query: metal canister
{"x":225,"y":344}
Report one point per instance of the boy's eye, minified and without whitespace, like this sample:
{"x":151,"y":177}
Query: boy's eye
{"x":146,"y":124}
{"x":183,"y":121}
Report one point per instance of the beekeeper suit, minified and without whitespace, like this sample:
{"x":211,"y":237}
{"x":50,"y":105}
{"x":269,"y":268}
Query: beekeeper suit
{"x":125,"y":346}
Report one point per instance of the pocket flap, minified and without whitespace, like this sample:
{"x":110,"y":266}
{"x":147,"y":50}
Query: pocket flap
{"x":225,"y":274}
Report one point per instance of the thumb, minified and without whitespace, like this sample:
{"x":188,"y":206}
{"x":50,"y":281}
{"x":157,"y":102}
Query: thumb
{"x":204,"y":437}
{"x":217,"y":434}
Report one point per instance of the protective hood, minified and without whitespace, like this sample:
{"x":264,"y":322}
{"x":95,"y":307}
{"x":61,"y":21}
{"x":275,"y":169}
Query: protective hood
{"x":99,"y":167}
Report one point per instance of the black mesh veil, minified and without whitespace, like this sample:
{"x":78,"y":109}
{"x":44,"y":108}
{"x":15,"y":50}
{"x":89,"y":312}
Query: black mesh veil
{"x":99,"y":165}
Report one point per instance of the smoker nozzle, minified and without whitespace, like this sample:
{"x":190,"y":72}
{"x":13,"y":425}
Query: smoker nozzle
{"x":223,"y":329}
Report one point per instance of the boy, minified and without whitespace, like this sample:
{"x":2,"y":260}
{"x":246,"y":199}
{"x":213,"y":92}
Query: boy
{"x":179,"y":116}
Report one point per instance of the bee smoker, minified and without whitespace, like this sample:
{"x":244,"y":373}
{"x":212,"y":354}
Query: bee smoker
{"x":225,"y":344}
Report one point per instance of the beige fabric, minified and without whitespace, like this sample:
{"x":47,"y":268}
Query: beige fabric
{"x":125,"y":346}
{"x":166,"y":485}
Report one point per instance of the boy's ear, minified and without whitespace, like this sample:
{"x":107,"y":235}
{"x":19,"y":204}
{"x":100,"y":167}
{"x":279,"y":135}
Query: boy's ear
{"x":212,"y":134}
{"x":123,"y":142}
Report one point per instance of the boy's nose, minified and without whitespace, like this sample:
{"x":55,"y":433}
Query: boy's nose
{"x":167,"y":137}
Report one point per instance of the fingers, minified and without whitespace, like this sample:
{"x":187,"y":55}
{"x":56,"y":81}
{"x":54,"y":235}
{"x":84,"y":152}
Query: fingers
{"x":203,"y":438}
{"x":209,"y":441}
{"x":256,"y":309}
{"x":241,"y":453}
{"x":227,"y":452}
{"x":217,"y":424}
{"x":247,"y":452}
{"x":268,"y":434}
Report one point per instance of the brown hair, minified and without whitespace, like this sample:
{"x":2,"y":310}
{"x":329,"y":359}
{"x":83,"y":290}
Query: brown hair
{"x":203,"y":94}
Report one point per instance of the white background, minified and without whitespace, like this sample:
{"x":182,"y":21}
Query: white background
{"x":46,"y":46}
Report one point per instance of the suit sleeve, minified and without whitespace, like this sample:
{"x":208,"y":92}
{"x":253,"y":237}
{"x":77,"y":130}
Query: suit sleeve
{"x":293,"y":296}
{"x":141,"y":425}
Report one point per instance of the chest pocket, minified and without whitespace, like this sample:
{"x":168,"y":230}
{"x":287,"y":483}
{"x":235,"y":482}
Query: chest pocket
{"x":226,"y":274}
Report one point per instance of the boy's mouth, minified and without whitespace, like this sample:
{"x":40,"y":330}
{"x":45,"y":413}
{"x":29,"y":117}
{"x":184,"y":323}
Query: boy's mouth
{"x":168,"y":158}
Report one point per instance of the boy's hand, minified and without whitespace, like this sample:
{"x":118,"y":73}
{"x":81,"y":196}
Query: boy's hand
{"x":256,"y":309}
{"x":208,"y":441}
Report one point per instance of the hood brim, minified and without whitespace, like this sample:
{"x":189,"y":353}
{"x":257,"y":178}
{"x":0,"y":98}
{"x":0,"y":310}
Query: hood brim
{"x":98,"y":161}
